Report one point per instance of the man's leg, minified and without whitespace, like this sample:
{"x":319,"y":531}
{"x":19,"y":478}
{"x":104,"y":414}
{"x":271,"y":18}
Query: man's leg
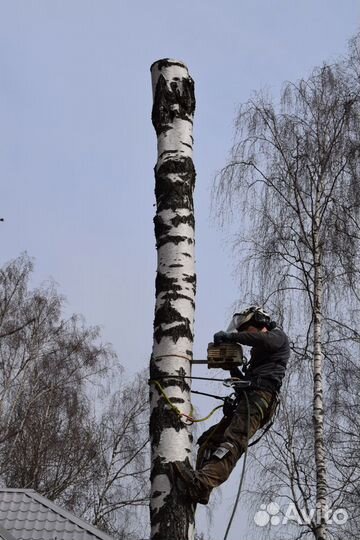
{"x":217,"y":468}
{"x":211,"y":439}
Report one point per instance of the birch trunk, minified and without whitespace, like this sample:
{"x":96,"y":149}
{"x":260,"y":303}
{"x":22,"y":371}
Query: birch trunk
{"x":318,"y":403}
{"x":172,"y":517}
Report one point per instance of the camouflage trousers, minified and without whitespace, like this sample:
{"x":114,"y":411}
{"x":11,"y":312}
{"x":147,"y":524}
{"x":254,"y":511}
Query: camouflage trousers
{"x":223,"y":444}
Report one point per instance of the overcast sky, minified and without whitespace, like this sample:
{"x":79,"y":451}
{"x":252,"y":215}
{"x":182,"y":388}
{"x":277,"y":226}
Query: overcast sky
{"x":77,"y":148}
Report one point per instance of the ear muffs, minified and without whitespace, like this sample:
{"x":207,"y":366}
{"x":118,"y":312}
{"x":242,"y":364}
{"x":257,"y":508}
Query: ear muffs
{"x":271,"y":325}
{"x":259,"y":318}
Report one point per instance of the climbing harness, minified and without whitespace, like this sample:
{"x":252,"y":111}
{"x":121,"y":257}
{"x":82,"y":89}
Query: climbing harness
{"x":232,"y":381}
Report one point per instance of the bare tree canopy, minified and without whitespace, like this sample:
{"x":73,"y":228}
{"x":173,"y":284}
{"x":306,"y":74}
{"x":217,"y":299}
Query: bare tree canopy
{"x":70,"y":428}
{"x":292,"y":185}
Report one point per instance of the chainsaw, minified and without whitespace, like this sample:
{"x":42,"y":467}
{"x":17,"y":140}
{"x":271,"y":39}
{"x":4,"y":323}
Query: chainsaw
{"x":224,"y":356}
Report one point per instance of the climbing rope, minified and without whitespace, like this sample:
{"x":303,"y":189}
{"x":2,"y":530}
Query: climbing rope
{"x":243,"y":468}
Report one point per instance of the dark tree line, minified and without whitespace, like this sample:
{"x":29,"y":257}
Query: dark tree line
{"x":70,"y":428}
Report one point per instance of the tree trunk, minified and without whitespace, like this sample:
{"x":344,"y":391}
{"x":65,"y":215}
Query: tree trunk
{"x":172,"y":516}
{"x":318,"y":403}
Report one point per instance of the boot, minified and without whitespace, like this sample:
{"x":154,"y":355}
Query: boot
{"x":188,"y":484}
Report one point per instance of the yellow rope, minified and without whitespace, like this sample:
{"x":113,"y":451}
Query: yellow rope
{"x":208,"y":416}
{"x":165,"y":396}
{"x":178,"y":412}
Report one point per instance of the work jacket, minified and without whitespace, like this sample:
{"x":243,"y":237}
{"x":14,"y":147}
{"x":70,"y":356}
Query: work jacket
{"x":269,"y":357}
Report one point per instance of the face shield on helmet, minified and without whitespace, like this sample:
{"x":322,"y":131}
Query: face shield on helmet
{"x":254,"y":316}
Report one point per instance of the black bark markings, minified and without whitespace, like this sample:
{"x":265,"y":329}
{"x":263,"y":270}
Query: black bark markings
{"x":162,"y":230}
{"x":169,"y":419}
{"x":175,"y":332}
{"x":166,"y":152}
{"x":176,"y":100}
{"x":179,"y":166}
{"x":175,"y":194}
{"x":173,"y":239}
{"x":192,"y":280}
{"x":185,"y":220}
{"x":177,"y":400}
{"x":175,"y":515}
{"x":166,"y":379}
{"x":170,"y":286}
{"x":162,"y":416}
{"x":167,"y":314}
{"x":186,"y":144}
{"x":166,"y":283}
{"x":177,"y":296}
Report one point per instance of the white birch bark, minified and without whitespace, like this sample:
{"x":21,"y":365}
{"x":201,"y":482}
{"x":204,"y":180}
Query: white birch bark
{"x":172,"y":517}
{"x":318,"y":401}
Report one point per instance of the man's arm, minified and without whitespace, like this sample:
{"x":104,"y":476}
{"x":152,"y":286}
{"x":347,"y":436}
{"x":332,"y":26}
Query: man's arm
{"x":269,"y":341}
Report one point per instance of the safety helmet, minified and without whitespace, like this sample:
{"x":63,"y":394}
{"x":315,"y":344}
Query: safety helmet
{"x":253,"y":315}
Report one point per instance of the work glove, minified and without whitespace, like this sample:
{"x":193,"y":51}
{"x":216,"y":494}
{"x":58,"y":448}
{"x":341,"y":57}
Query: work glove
{"x":230,"y":404}
{"x":224,"y":337}
{"x":236,"y":372}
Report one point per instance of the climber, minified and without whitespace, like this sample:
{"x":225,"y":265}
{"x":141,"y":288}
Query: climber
{"x":223,"y":444}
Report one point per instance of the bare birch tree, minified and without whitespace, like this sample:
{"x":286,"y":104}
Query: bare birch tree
{"x":48,"y":441}
{"x":172,"y":518}
{"x":118,"y":496}
{"x":294,"y":173}
{"x":51,"y":440}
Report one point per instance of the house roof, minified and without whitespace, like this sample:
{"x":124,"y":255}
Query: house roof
{"x":26,"y":515}
{"x":5,"y":535}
